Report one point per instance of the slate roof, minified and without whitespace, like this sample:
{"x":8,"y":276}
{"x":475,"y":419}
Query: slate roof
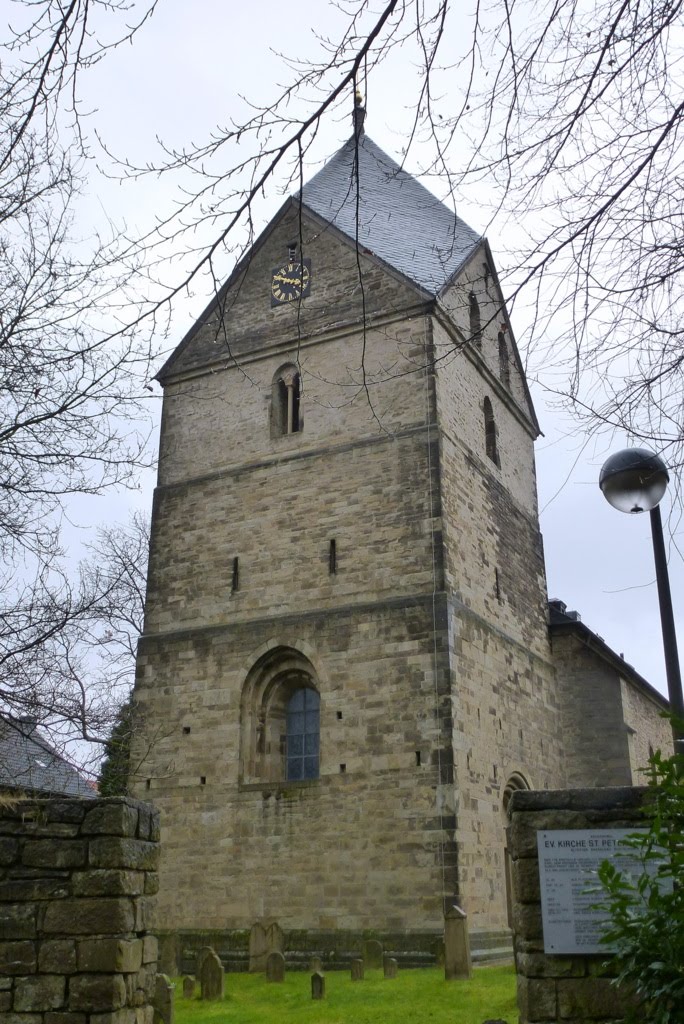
{"x":399,"y":220}
{"x":29,"y":762}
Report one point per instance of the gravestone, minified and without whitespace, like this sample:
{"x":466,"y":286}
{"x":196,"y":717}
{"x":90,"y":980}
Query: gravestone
{"x":211,"y":978}
{"x":457,"y":964}
{"x":438,"y":950}
{"x":163,"y":1000}
{"x":275,"y":967}
{"x":317,"y":985}
{"x":390,"y":967}
{"x":204,"y":952}
{"x":357,"y":970}
{"x":265,"y":937}
{"x":316,"y":964}
{"x":372,"y":953}
{"x":188,"y":987}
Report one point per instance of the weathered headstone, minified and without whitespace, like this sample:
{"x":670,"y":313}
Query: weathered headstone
{"x":204,"y":952}
{"x":317,"y":985}
{"x":211,"y":978}
{"x":390,"y":967}
{"x":265,"y":937}
{"x":274,"y":937}
{"x":316,"y":964}
{"x":163,"y":1000}
{"x":357,"y":970}
{"x":188,"y":987}
{"x":457,"y":963}
{"x":372,"y":953}
{"x":275,"y":967}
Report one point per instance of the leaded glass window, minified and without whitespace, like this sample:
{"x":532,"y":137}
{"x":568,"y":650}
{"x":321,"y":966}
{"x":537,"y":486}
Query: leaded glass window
{"x":303,"y":734}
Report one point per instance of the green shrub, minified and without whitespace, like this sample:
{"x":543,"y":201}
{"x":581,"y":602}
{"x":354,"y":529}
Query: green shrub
{"x":647,"y":913}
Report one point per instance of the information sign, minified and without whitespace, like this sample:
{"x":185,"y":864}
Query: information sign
{"x":568,"y":864}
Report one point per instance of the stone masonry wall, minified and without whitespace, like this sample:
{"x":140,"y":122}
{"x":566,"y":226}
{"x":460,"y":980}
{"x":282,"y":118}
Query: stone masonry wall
{"x":76,"y":877}
{"x":569,"y":989}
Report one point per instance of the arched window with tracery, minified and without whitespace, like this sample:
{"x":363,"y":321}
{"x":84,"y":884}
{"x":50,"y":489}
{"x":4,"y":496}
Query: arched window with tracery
{"x":491,"y":445}
{"x":286,"y":401}
{"x":280,"y":719}
{"x":475,"y":324}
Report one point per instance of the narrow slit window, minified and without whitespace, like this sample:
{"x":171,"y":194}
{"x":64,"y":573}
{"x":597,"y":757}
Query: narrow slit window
{"x":235,"y":579}
{"x":475,"y":323}
{"x":332,"y":558}
{"x":504,"y":367}
{"x":491,"y":446}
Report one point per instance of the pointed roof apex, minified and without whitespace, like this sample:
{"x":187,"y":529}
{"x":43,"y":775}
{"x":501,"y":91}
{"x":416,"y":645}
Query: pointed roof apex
{"x":399,"y":220}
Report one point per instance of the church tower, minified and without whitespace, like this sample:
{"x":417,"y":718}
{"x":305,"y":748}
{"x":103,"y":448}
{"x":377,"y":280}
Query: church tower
{"x":345,"y":669}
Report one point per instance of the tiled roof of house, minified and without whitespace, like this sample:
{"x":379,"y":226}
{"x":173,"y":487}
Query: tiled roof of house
{"x":399,"y":220}
{"x":29,"y":762}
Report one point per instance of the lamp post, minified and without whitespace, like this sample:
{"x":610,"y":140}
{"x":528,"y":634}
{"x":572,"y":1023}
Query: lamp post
{"x":635,"y":480}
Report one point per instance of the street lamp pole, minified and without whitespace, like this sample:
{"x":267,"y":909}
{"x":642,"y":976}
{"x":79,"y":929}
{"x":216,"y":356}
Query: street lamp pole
{"x":635,"y":480}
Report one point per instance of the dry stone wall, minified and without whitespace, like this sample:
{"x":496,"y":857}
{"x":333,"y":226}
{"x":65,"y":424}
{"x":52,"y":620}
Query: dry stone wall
{"x":76,"y":881}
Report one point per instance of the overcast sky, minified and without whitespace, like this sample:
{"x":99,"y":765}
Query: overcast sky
{"x":185,"y":73}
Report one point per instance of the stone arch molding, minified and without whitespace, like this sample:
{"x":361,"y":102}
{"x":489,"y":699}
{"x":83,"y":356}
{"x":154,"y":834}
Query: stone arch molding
{"x":516,"y":782}
{"x":273,"y":678}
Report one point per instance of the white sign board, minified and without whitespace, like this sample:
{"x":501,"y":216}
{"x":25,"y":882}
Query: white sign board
{"x":568,"y":864}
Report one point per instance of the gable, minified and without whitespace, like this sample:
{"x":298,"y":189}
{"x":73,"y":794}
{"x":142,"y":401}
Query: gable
{"x":347,"y":287}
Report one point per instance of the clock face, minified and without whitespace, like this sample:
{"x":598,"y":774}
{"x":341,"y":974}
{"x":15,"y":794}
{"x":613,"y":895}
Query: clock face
{"x":290,"y":282}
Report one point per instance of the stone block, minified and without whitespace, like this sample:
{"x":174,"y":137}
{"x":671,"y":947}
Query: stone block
{"x":17,"y":957}
{"x":65,"y":1017}
{"x":66,"y":811}
{"x":54,"y":853}
{"x":22,"y":1018}
{"x":39,"y":992}
{"x":117,"y":818}
{"x":151,"y":883}
{"x":593,"y":999}
{"x":127,"y":1015}
{"x":120,"y":956}
{"x":9,"y":851}
{"x":525,"y":878}
{"x":144,"y":910}
{"x":5,"y":1001}
{"x":17,"y":920}
{"x":57,"y":956}
{"x":527,"y":921}
{"x":108,"y":882}
{"x":150,"y":953}
{"x":537,"y":999}
{"x":116,"y":852}
{"x":93,"y":992}
{"x":89,"y":917}
{"x":539,"y":965}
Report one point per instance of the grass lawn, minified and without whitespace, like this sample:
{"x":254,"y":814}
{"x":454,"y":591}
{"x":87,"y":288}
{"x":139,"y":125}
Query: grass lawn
{"x":415,"y":995}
